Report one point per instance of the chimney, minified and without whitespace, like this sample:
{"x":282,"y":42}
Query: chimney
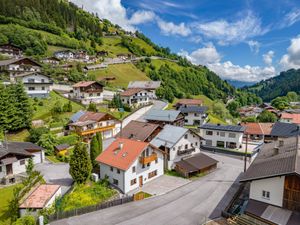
{"x":121,"y":145}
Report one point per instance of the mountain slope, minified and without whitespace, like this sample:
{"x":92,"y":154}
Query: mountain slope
{"x":277,"y":86}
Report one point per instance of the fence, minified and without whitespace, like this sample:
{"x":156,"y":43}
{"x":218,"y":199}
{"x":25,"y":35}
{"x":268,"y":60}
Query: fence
{"x":76,"y":212}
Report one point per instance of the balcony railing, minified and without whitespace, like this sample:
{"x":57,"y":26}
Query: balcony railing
{"x":95,"y":130}
{"x":148,"y":159}
{"x":186,"y":151}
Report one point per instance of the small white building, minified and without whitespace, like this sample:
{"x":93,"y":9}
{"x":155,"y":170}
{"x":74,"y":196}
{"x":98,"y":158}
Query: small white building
{"x":14,"y":157}
{"x":135,"y":97}
{"x":65,"y":55}
{"x":222,"y":136}
{"x":42,"y":197}
{"x":36,"y":84}
{"x":51,"y":60}
{"x":11,"y":50}
{"x":129,"y":164}
{"x":87,"y":92}
{"x":194,"y":115}
{"x":150,"y":86}
{"x":178,"y":143}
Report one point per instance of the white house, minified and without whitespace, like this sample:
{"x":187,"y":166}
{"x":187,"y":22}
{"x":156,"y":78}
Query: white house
{"x":194,"y":115}
{"x":42,"y":197}
{"x":135,"y":97}
{"x":65,"y":55}
{"x":129,"y":164}
{"x":87,"y":92}
{"x":11,"y":50}
{"x":14,"y":158}
{"x":151,"y":86}
{"x":222,"y":136}
{"x":35,"y":84}
{"x":177,"y":143}
{"x":274,"y":178}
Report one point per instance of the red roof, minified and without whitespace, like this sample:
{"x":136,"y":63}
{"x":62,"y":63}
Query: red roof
{"x":84,"y":83}
{"x":258,"y":128}
{"x":130,"y":92}
{"x":295,"y":117}
{"x":190,"y":102}
{"x":122,"y":158}
{"x":94,"y":116}
{"x":40,"y":196}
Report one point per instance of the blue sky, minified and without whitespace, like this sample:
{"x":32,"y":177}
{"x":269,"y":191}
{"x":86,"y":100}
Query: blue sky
{"x":239,"y":40}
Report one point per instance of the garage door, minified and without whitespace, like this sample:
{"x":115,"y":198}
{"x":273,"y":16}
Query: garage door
{"x":37,"y":157}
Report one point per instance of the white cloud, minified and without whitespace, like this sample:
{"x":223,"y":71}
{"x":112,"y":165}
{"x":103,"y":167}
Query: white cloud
{"x":202,"y":56}
{"x":290,"y":18}
{"x":196,"y":39}
{"x":268,"y":57}
{"x":254,"y":46}
{"x":114,"y":11}
{"x":170,"y":28}
{"x":292,"y":58}
{"x":226,"y":32}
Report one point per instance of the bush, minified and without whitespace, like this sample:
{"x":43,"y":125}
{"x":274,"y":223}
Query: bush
{"x":71,"y":139}
{"x":25,"y":220}
{"x":36,"y":133}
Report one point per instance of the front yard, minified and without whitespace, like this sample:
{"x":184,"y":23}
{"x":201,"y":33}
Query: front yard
{"x":6,"y":195}
{"x":85,"y":195}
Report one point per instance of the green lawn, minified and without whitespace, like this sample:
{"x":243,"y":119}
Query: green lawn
{"x":6,"y":195}
{"x":52,"y":158}
{"x":148,"y":48}
{"x":122,"y":72}
{"x":86,"y":195}
{"x":159,"y":62}
{"x":146,"y":195}
{"x":173,"y":173}
{"x":18,"y":136}
{"x":113,"y":46}
{"x":116,"y":114}
{"x":214,"y":119}
{"x":44,"y":112}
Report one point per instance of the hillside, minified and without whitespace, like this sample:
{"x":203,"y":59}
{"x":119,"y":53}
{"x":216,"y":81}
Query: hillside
{"x":41,"y":27}
{"x":277,"y":86}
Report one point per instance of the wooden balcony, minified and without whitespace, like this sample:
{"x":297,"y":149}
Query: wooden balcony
{"x":148,"y":159}
{"x":186,"y":151}
{"x":95,"y":130}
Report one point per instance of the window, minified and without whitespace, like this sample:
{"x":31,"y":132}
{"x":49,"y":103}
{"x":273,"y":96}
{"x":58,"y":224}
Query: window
{"x":133,"y":169}
{"x":43,"y":88}
{"x":30,"y":80}
{"x":222,"y":134}
{"x":266,"y":194}
{"x":90,"y":94}
{"x":118,"y":171}
{"x":232,"y":135}
{"x":179,"y":148}
{"x":0,"y":169}
{"x":148,"y":164}
{"x":196,"y":114}
{"x":208,"y":142}
{"x":156,"y":160}
{"x":22,"y":162}
{"x":186,"y":136}
{"x":209,"y":132}
{"x":186,"y":146}
{"x":133,"y":182}
{"x":31,"y":88}
{"x":196,"y":143}
{"x":152,"y":174}
{"x":43,"y":80}
{"x":98,"y":94}
{"x":115,"y":182}
{"x":111,"y":169}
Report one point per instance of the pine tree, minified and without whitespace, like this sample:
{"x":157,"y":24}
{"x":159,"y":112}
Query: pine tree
{"x":80,"y":164}
{"x":99,"y":138}
{"x":94,"y":150}
{"x":29,"y":166}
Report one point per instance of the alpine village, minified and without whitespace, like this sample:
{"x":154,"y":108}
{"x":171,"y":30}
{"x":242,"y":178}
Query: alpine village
{"x":100,"y":125}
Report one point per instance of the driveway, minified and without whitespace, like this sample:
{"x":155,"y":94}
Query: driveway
{"x":193,"y":203}
{"x":56,"y":173}
{"x":162,"y":185}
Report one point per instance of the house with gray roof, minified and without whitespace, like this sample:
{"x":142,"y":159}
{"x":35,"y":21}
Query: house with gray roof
{"x":222,"y":136}
{"x":163,"y":117}
{"x":178,"y":143}
{"x":14,"y":158}
{"x":274,"y":178}
{"x":284,"y":130}
{"x":150,"y":86}
{"x":194,"y":115}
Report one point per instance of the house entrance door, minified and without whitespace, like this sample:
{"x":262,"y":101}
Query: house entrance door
{"x":9,"y":169}
{"x":141,"y":181}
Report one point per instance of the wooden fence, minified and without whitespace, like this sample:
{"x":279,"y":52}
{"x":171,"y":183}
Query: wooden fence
{"x":75,"y":212}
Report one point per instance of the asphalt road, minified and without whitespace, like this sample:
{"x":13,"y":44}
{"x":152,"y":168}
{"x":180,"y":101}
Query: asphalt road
{"x":194,"y":203}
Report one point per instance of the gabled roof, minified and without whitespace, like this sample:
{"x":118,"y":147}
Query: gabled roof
{"x":295,"y":117}
{"x":144,"y":84}
{"x":62,"y":147}
{"x":281,"y":129}
{"x":275,"y":160}
{"x":130,"y":92}
{"x":193,"y":109}
{"x":169,"y":136}
{"x":82,"y":118}
{"x":253,"y":128}
{"x":189,"y":102}
{"x":85,"y":83}
{"x":21,"y":148}
{"x":162,"y":115}
{"x":138,"y":130}
{"x":12,"y":61}
{"x":220,"y":127}
{"x":122,"y":157}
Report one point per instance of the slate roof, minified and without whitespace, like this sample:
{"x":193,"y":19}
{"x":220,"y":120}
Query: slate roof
{"x":144,"y":84}
{"x":220,"y":127}
{"x":193,"y":109}
{"x":21,"y":148}
{"x":258,"y":128}
{"x":169,"y":136}
{"x":84,"y":83}
{"x":197,"y":162}
{"x":162,"y":115}
{"x":275,"y":160}
{"x":138,"y":130}
{"x":281,"y":129}
{"x":122,"y":158}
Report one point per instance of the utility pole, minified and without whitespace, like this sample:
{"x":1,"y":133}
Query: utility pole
{"x":246,"y":150}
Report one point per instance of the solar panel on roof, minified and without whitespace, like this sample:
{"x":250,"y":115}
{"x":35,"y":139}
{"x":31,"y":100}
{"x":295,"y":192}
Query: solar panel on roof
{"x":76,"y":116}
